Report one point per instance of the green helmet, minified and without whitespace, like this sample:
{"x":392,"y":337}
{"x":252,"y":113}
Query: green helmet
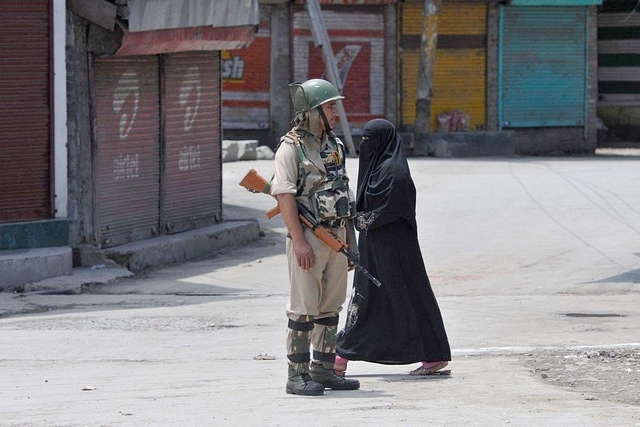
{"x":312,"y":94}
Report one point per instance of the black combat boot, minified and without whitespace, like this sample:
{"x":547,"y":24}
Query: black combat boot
{"x":302,"y":384}
{"x":329,"y":379}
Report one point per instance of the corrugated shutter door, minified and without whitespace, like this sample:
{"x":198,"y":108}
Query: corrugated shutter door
{"x":460,"y":67}
{"x":127,"y":117}
{"x":193,"y":173}
{"x":25,"y":116}
{"x":543,"y":75}
{"x":357,"y":39}
{"x":409,"y":85}
{"x":409,"y":55}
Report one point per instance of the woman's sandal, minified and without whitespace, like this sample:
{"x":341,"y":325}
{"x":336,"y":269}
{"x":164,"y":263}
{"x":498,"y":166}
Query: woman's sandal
{"x":432,"y":370}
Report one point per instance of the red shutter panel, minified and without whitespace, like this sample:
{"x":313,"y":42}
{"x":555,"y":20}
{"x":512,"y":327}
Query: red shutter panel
{"x":25,"y":111}
{"x":192,"y":159}
{"x":127,"y":116}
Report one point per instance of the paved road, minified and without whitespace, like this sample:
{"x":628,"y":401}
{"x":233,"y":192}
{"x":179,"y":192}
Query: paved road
{"x":535,"y":262}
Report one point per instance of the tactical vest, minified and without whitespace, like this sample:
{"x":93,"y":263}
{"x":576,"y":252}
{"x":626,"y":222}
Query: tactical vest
{"x":328,"y":192}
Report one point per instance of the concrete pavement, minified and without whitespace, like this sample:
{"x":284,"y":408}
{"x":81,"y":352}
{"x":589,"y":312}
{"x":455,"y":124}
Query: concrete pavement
{"x":530,"y":258}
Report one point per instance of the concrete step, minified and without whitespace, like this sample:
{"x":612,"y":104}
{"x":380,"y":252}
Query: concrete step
{"x":19,"y":267}
{"x":52,"y":268}
{"x":180,"y":247}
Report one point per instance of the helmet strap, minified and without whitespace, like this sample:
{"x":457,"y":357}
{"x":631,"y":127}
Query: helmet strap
{"x":327,"y":128}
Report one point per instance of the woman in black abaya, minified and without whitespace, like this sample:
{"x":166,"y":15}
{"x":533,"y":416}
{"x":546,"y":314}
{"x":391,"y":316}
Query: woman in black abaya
{"x":399,"y":322}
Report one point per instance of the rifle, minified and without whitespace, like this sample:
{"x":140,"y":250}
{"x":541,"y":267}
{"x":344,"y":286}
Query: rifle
{"x":257,"y":184}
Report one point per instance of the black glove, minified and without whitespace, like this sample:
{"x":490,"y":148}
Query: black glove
{"x":363,"y":220}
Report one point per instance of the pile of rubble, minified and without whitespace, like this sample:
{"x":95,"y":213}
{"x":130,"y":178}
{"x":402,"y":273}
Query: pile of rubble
{"x":605,"y":374}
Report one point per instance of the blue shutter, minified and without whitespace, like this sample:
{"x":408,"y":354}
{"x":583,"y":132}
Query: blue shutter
{"x":556,"y":2}
{"x":543,"y":66}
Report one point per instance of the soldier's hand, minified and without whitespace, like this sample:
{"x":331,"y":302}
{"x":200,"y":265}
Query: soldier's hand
{"x":304,"y":255}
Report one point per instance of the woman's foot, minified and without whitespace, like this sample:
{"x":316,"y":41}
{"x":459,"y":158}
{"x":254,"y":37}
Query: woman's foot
{"x":340,"y":365}
{"x":429,"y":368}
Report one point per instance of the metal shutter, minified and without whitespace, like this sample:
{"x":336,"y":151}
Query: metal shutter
{"x":127,"y":161}
{"x":459,"y":81}
{"x":543,"y":66}
{"x":25,"y":111}
{"x":192,"y":159}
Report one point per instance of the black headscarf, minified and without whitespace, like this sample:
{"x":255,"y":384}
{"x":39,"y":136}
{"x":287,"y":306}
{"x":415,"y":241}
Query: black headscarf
{"x":384,"y":179}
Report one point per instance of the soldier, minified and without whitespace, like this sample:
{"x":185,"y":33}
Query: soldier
{"x":310,"y":169}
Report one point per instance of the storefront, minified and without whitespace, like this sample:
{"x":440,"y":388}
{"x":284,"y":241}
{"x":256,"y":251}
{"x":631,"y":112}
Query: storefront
{"x":245,"y":81}
{"x":357,"y":39}
{"x":459,"y":82}
{"x":256,"y":102}
{"x":154,"y":118}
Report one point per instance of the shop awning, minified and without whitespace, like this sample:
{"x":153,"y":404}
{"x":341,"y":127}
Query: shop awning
{"x":147,"y":15}
{"x":351,"y":2}
{"x":166,"y":26}
{"x":184,"y":40}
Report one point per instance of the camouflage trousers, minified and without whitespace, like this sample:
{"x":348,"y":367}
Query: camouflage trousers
{"x":305,"y":331}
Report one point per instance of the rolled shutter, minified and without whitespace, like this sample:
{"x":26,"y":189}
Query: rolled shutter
{"x":25,"y":111}
{"x":192,"y":158}
{"x":459,"y":81}
{"x":543,"y":71}
{"x":127,"y":116}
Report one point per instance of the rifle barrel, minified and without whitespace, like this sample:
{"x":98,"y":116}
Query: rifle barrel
{"x":370,"y":276}
{"x":361,"y":267}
